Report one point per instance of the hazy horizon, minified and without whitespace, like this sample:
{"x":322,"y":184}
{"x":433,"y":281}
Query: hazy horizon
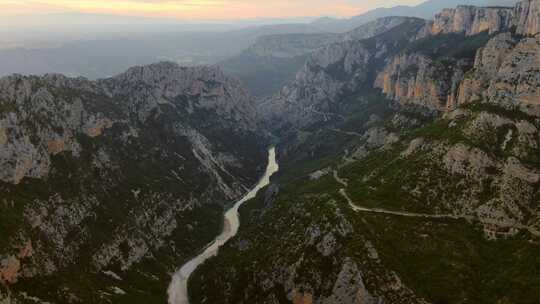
{"x":98,"y":38}
{"x":199,"y":10}
{"x":51,"y":23}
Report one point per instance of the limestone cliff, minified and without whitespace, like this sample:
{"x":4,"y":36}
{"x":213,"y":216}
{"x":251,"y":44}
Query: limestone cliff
{"x":436,"y":70}
{"x":527,"y":17}
{"x":472,"y":20}
{"x":420,"y":80}
{"x":427,"y":69}
{"x":506,"y":72}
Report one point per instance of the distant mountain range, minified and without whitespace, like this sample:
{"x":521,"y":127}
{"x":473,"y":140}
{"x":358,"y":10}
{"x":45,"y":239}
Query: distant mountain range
{"x":144,"y":41}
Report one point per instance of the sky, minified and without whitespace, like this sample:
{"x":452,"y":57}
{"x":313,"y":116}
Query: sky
{"x":194,"y":10}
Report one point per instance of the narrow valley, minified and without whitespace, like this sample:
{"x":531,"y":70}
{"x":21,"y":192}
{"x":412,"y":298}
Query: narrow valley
{"x":391,"y":157}
{"x":178,"y":292}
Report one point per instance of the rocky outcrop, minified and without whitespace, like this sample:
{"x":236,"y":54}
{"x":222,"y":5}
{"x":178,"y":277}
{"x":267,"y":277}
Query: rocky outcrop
{"x":513,"y":182}
{"x":442,"y":83}
{"x":421,"y":78}
{"x":418,"y":79}
{"x":506,"y":72}
{"x":350,"y":288}
{"x":472,"y":20}
{"x":10,"y":267}
{"x":431,"y":71}
{"x":527,"y":17}
{"x":487,"y":63}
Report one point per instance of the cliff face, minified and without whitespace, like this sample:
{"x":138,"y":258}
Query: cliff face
{"x":436,"y":71}
{"x":527,"y":17}
{"x":426,"y":69}
{"x":472,"y":20}
{"x":103,"y":175}
{"x":506,"y":72}
{"x":417,"y":79}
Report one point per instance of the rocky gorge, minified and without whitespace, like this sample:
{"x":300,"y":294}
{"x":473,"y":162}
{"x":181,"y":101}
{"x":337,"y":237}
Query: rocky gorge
{"x":273,"y":60}
{"x":409,"y":154}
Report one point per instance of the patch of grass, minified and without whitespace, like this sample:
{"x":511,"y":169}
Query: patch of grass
{"x":441,"y":130}
{"x":7,"y":107}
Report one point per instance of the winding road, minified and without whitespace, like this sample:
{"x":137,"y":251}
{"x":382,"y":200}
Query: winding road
{"x":357,"y":208}
{"x":178,"y":293}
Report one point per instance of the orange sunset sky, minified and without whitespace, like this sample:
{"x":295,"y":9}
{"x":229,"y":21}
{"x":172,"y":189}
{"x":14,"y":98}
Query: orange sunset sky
{"x":200,"y":9}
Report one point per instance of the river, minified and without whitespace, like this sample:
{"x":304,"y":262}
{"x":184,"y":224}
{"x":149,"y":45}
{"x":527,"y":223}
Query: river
{"x":178,"y":293}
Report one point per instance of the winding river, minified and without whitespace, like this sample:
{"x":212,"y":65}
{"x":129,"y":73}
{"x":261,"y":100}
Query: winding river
{"x":178,"y":293}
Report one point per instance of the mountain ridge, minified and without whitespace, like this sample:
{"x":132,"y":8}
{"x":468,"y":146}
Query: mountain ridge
{"x":124,"y":177}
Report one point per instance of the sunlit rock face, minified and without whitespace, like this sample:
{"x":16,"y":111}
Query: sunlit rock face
{"x":527,"y":17}
{"x":418,"y":79}
{"x":472,"y":20}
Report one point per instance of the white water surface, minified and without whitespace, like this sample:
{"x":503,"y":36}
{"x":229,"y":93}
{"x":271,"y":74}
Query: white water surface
{"x":178,"y":293}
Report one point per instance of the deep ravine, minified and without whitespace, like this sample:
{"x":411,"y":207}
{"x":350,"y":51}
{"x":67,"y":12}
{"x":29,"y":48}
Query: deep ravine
{"x":178,"y":293}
